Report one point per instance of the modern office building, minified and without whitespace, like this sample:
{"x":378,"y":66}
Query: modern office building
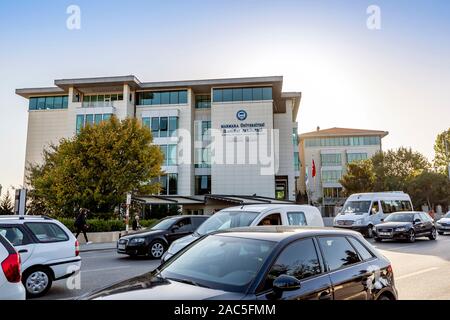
{"x":332,"y":149}
{"x":225,"y":137}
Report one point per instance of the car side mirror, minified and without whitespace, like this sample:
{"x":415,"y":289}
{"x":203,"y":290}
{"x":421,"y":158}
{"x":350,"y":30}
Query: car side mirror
{"x":416,"y":221}
{"x":382,"y":220}
{"x":175,"y":228}
{"x":286,"y":283}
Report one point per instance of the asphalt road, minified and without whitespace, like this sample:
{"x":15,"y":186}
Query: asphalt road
{"x":421,"y":269}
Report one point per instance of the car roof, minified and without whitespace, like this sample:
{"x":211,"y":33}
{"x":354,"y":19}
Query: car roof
{"x":280,"y":233}
{"x":26,"y":217}
{"x":263,"y":207}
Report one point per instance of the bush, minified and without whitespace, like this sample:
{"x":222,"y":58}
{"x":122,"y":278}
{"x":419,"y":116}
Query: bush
{"x":98,"y":225}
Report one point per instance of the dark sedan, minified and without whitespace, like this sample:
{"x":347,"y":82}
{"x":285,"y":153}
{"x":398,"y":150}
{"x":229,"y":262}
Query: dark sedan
{"x":266,"y":263}
{"x":155,"y":241}
{"x":406,"y":226}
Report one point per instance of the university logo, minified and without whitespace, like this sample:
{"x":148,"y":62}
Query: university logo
{"x":241,"y":115}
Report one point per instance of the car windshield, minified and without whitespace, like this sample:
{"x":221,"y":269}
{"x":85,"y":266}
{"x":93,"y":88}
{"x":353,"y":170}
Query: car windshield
{"x":447,"y":215}
{"x":164,"y":224}
{"x":356,"y":207}
{"x":220,"y":262}
{"x":227,"y":219}
{"x":400,"y":217}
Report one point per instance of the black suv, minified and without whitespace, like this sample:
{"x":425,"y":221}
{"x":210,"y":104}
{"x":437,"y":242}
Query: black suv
{"x":155,"y":241}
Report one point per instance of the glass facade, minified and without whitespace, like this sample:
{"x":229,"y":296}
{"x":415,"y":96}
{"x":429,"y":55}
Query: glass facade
{"x":334,"y":159}
{"x":331,"y":176}
{"x":101,"y":100}
{"x":332,"y":193}
{"x":48,"y":103}
{"x":162,"y":97}
{"x":295,"y":137}
{"x":202,"y":185}
{"x":168,"y":184}
{"x":203,"y":102}
{"x":203,"y":158}
{"x":242,"y":94}
{"x":161,"y":126}
{"x":296,"y":161}
{"x":90,"y":119}
{"x":170,"y":154}
{"x":356,"y":157}
{"x":343,"y":141}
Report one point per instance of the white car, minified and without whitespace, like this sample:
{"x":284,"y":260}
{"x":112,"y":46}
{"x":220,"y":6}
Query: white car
{"x":251,"y":215}
{"x":48,"y":250}
{"x":11,"y":287}
{"x":443,"y":224}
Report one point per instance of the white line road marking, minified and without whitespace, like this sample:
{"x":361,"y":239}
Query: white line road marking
{"x":416,"y":273}
{"x":106,"y":269}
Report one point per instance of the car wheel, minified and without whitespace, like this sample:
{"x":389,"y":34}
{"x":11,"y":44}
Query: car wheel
{"x":383,"y":298}
{"x":378,"y":239}
{"x":433,"y":234}
{"x":156,"y":249}
{"x":411,"y":236}
{"x":440,"y":233}
{"x":369,"y":231}
{"x":37,"y":282}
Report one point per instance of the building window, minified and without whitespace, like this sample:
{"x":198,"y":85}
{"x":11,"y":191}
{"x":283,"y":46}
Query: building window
{"x":173,"y":183}
{"x":331,"y":159}
{"x":101,"y":100}
{"x":91,"y":119}
{"x":331,"y":176}
{"x":296,"y":161}
{"x":203,"y":102}
{"x":163,"y":97}
{"x":203,"y":158}
{"x":170,"y":154}
{"x":332,"y":193}
{"x":242,"y":94}
{"x":351,"y":157}
{"x":202,"y":185}
{"x":161,"y":127}
{"x":48,"y":103}
{"x":343,"y":141}
{"x":295,"y":137}
{"x":202,"y":130}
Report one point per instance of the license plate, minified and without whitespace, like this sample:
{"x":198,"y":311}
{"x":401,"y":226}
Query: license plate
{"x":121,"y":247}
{"x":384,"y":234}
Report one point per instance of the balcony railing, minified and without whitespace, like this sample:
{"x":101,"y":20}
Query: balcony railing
{"x":98,"y":104}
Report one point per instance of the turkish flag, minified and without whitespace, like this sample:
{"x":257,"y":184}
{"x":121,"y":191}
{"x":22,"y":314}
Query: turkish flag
{"x":313,"y":169}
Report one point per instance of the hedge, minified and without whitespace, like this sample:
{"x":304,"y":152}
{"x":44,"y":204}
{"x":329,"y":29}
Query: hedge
{"x":98,"y":225}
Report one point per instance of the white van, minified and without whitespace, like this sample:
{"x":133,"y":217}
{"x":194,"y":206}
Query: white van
{"x":362,"y":211}
{"x":252,"y":215}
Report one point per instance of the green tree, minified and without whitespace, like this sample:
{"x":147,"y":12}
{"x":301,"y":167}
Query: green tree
{"x":430,"y":188}
{"x":359,"y":177}
{"x":395,"y":168}
{"x":6,"y":204}
{"x":442,"y":152}
{"x":95,"y":169}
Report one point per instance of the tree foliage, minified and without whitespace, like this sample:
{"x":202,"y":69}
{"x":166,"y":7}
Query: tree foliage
{"x":6,"y":204}
{"x":395,"y":168}
{"x":360,"y":177}
{"x":429,"y":188}
{"x":95,"y":169}
{"x":442,"y":152}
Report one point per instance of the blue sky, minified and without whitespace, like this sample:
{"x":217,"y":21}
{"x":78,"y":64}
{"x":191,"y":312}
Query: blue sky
{"x":394,"y":79}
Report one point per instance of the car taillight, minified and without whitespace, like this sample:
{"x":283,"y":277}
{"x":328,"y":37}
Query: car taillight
{"x":11,"y":267}
{"x":77,"y":248}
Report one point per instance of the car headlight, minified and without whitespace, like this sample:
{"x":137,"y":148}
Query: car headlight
{"x":137,"y":241}
{"x":359,"y":222}
{"x":438,"y":222}
{"x":400,"y":229}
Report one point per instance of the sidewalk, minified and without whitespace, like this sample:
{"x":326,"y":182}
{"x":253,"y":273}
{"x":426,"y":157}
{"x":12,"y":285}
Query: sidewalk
{"x":97,"y":246}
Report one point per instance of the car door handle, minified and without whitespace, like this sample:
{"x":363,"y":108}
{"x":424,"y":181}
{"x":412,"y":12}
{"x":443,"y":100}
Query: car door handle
{"x":326,"y":295}
{"x":23,"y":251}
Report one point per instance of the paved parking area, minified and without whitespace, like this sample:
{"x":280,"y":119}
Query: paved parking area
{"x":422,"y":269}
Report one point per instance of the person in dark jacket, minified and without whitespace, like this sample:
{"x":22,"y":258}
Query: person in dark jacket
{"x":81,"y":224}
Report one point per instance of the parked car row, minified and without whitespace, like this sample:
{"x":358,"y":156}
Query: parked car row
{"x":47,"y":252}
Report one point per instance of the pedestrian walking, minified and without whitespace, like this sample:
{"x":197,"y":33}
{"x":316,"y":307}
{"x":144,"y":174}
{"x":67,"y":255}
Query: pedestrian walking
{"x":136,"y":224}
{"x":81,"y":224}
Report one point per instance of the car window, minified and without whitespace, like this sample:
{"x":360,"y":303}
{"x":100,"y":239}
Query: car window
{"x":425,"y":217}
{"x":47,"y":232}
{"x":363,"y":252}
{"x":197,"y":221}
{"x":338,"y":252}
{"x":298,"y":259}
{"x":13,"y":234}
{"x":417,"y":217}
{"x":273,"y":219}
{"x":297,"y":219}
{"x":375,"y":207}
{"x":184,"y":225}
